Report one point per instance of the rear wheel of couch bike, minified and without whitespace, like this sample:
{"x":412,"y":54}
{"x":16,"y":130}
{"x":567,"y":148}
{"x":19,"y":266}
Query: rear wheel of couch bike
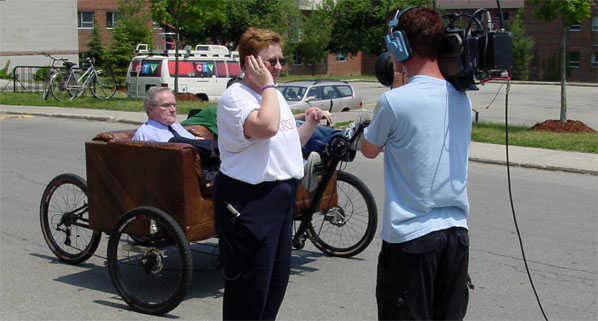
{"x":64,"y":219}
{"x":151,"y":272}
{"x":348,"y":228}
{"x":103,"y":86}
{"x":64,"y":86}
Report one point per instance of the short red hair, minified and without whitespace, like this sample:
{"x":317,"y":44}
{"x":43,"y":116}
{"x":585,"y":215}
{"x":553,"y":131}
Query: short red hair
{"x":254,"y":40}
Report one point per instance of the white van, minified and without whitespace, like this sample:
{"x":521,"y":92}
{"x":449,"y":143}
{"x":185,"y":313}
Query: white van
{"x":204,"y":71}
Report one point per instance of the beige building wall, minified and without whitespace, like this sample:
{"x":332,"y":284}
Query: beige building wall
{"x":30,"y":27}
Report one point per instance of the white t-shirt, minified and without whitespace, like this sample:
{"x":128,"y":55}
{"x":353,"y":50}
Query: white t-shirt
{"x":256,"y":160}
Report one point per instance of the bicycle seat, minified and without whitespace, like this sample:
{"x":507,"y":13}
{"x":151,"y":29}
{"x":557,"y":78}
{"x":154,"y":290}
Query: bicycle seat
{"x":68,"y":65}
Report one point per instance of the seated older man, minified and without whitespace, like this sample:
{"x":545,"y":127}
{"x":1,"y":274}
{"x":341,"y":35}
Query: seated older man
{"x":161,"y":126}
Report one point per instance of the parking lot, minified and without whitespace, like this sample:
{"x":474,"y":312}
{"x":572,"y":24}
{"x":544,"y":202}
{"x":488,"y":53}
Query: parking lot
{"x":528,"y":103}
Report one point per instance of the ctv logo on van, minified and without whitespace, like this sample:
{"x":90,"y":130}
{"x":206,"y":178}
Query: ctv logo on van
{"x":150,"y":68}
{"x":204,"y":68}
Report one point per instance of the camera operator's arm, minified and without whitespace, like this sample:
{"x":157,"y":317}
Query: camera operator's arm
{"x":369,"y":150}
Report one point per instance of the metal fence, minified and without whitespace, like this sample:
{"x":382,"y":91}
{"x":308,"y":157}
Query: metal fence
{"x":28,"y":79}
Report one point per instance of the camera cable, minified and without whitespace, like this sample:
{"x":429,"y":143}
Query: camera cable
{"x":512,"y":204}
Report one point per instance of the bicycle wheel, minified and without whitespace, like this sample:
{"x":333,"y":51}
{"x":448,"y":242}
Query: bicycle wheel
{"x":46,"y":90}
{"x":64,"y":86}
{"x":348,"y":228}
{"x":64,"y":219}
{"x":152,"y":272}
{"x":103,"y":85}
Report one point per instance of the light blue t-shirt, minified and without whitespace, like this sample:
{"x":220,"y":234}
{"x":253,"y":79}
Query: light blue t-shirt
{"x":425,"y":127}
{"x":153,"y":131}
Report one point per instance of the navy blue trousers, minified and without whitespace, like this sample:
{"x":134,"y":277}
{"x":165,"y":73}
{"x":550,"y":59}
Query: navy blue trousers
{"x":425,"y":278}
{"x":255,"y":248}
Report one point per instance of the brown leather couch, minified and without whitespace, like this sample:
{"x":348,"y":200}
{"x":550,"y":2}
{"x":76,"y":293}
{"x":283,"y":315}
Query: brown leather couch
{"x":123,"y":174}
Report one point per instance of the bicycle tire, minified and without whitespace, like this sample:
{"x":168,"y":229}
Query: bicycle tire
{"x":64,"y":219}
{"x":151,"y":273}
{"x":64,"y":86}
{"x":346,"y":229}
{"x":46,"y":90}
{"x":103,"y":85}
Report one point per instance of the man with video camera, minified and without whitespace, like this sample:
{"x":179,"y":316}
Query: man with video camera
{"x":424,"y":128}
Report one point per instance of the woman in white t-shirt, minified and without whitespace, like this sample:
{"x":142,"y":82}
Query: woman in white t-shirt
{"x":254,"y":192}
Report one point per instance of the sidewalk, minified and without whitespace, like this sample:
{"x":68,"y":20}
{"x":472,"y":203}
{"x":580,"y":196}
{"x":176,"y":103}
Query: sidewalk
{"x":576,"y":162}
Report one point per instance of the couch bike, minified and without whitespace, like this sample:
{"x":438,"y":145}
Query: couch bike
{"x":153,"y":200}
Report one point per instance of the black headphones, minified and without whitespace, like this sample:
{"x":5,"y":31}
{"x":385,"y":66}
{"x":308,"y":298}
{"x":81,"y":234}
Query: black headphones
{"x":396,"y":41}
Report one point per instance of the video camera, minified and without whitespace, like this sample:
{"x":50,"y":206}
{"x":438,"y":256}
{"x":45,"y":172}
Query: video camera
{"x":467,"y":56}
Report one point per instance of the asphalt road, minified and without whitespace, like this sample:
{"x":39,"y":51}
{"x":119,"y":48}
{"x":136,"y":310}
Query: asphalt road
{"x":528,"y":104}
{"x":556,"y":212}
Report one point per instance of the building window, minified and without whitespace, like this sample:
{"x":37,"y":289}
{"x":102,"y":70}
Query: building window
{"x":341,"y":57}
{"x":505,"y":16}
{"x":85,"y":19}
{"x":594,"y":23}
{"x":573,"y":59}
{"x":575,"y":27}
{"x":156,"y":25}
{"x":112,"y":19}
{"x":595,"y":60}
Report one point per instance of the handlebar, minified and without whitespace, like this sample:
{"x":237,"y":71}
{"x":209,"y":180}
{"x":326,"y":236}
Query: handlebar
{"x":54,"y":60}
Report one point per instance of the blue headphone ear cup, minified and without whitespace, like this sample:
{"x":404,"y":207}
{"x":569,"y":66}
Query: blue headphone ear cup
{"x":400,"y":46}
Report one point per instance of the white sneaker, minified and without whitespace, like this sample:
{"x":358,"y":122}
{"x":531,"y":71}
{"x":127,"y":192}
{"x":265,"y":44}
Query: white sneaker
{"x":310,"y":177}
{"x":362,"y":117}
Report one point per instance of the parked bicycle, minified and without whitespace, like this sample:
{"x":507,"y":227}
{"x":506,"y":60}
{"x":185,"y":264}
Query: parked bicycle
{"x":72,"y":84}
{"x":53,"y":71}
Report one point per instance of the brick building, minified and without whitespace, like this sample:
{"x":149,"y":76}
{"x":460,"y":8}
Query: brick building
{"x":582,"y":47}
{"x":103,"y":14}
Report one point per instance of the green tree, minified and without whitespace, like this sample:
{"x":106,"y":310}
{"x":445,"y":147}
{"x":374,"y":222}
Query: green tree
{"x":315,"y":33}
{"x":189,"y":18}
{"x":570,"y":12}
{"x":282,"y":16}
{"x":521,"y":47}
{"x":360,"y":24}
{"x":132,"y":28}
{"x":95,"y":47}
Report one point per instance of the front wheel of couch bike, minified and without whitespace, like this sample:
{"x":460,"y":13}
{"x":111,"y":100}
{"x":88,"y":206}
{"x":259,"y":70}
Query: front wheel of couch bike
{"x":152,"y":272}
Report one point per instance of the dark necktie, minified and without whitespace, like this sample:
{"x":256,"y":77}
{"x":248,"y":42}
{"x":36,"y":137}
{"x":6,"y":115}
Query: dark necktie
{"x":174,"y":132}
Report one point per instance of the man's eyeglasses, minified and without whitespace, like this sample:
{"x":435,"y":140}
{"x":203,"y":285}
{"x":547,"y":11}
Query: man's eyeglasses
{"x":166,"y":105}
{"x":273,"y":61}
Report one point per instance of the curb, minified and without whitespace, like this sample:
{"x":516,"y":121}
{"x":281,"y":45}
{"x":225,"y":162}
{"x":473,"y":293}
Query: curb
{"x":534,"y":166}
{"x":473,"y":159}
{"x":85,"y":117}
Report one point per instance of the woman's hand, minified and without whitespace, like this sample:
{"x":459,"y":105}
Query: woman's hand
{"x":256,"y":72}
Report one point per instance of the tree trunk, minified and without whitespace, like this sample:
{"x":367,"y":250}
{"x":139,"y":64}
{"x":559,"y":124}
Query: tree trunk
{"x":564,"y":73}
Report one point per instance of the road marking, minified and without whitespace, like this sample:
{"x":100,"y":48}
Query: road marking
{"x":15,"y":116}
